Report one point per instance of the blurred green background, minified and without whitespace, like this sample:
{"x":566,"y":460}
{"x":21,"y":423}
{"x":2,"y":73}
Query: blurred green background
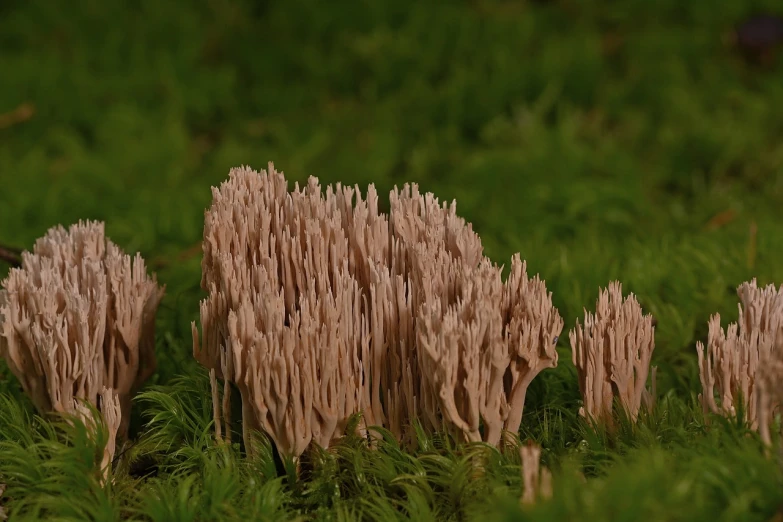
{"x":601,"y":140}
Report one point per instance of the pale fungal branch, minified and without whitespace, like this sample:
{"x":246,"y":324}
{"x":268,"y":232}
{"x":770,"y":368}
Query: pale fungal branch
{"x":111,"y":409}
{"x":730,"y":362}
{"x":536,"y":479}
{"x":612,"y":354}
{"x":531,"y":327}
{"x":111,"y":416}
{"x":77,"y":323}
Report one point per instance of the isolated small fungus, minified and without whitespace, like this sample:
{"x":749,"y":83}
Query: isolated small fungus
{"x":536,"y":479}
{"x":612,"y":354}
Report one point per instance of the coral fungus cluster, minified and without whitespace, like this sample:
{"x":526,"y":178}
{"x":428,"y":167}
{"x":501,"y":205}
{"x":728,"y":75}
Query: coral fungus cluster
{"x":612,"y":354}
{"x":740,"y":367}
{"x":320,"y":307}
{"x":77,"y":325}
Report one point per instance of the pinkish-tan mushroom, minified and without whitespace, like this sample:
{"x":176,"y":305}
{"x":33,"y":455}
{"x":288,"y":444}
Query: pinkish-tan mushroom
{"x":536,"y":479}
{"x":76,"y":319}
{"x":612,"y":354}
{"x":283,"y":319}
{"x":322,"y":304}
{"x":729,"y":364}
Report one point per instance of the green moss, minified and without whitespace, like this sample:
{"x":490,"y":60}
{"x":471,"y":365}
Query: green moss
{"x":598,"y":142}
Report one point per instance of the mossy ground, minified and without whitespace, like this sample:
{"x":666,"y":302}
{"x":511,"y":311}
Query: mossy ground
{"x":602,"y":141}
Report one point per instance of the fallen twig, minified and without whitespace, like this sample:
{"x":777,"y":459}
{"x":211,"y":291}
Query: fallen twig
{"x":3,"y":514}
{"x":19,"y":115}
{"x":12,"y":256}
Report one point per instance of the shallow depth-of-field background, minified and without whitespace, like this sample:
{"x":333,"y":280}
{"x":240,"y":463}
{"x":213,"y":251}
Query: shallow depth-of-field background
{"x":621,"y":140}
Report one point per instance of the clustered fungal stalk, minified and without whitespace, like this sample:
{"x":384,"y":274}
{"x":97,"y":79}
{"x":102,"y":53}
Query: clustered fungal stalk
{"x":77,"y":326}
{"x":769,"y":392}
{"x":482,"y":343}
{"x":741,"y":361}
{"x":612,"y":354}
{"x":320,"y":307}
{"x":282,"y":315}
